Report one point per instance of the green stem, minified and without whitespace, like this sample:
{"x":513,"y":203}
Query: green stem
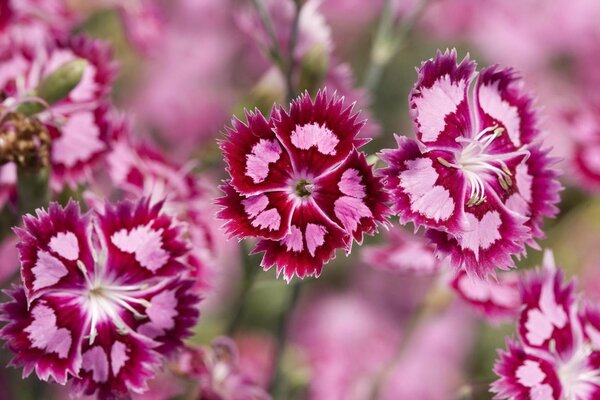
{"x":33,"y":190}
{"x":388,"y":40}
{"x":289,"y":74}
{"x":281,"y":333}
{"x":249,"y":271}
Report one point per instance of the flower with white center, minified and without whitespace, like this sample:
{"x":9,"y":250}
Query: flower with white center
{"x":104,"y":296}
{"x":299,"y":184}
{"x":476,"y":177}
{"x":558,"y":355}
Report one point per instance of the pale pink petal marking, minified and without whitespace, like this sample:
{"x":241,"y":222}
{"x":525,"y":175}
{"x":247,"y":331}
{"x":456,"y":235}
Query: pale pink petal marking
{"x":313,"y":134}
{"x":481,"y":234}
{"x":474,"y":289}
{"x":530,"y":374}
{"x":418,"y":181}
{"x":591,"y":157}
{"x":87,"y":87}
{"x":268,"y":219}
{"x":435,"y":103}
{"x":257,"y":162}
{"x":45,"y":335}
{"x":315,"y":237}
{"x":350,"y":210}
{"x":517,"y":203}
{"x":118,"y":357}
{"x":12,"y":68}
{"x":492,"y":104}
{"x":163,"y":309}
{"x":65,"y":245}
{"x":541,"y":392}
{"x":350,"y":184}
{"x":47,"y":270}
{"x":95,"y":360}
{"x":145,"y":243}
{"x":524,"y":182}
{"x":538,"y":327}
{"x":505,"y":295}
{"x":255,"y":204}
{"x":554,"y":312}
{"x":79,"y":140}
{"x":293,"y":240}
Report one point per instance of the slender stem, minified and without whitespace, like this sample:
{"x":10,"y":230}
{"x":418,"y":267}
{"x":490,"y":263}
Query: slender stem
{"x":291,"y":92}
{"x":249,"y":271}
{"x":32,"y":189}
{"x":286,"y":65}
{"x":281,"y":333}
{"x":388,"y":40}
{"x":275,"y":49}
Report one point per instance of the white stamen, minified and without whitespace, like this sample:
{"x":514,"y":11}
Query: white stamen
{"x":476,"y":164}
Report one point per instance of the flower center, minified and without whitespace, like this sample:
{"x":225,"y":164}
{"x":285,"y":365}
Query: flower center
{"x":106,"y":301}
{"x":576,"y":374}
{"x":477,"y":164}
{"x":304,"y":188}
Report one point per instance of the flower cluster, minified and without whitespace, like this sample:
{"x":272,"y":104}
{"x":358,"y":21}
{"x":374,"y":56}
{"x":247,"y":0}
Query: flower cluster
{"x":104,"y":296}
{"x":477,"y":177}
{"x":299,"y":184}
{"x":557,"y":355}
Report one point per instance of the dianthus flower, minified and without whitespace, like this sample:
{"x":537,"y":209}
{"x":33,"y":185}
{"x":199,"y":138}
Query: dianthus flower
{"x":299,"y":184}
{"x":217,"y":370}
{"x":497,"y":300}
{"x":79,"y":125}
{"x":557,"y":355}
{"x":104,"y":296}
{"x":476,"y":177}
{"x":142,"y":171}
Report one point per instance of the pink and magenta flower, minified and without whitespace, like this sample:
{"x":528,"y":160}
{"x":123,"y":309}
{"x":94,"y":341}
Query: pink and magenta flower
{"x":299,"y":184}
{"x":557,"y":355}
{"x":80,"y":125}
{"x":476,"y":177}
{"x":104,"y":296}
{"x":497,"y":300}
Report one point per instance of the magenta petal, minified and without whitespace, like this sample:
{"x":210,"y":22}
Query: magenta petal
{"x":423,"y":191}
{"x":495,"y":300}
{"x":262,"y":215}
{"x":546,"y":313}
{"x":142,"y":241}
{"x":500,"y":100}
{"x":45,"y":335}
{"x":492,"y":234}
{"x":256,"y":159}
{"x":51,"y":244}
{"x":310,"y":243}
{"x":352,"y":196}
{"x":317,"y":134}
{"x":439,"y":104}
{"x":523,"y":375}
{"x":116,"y":364}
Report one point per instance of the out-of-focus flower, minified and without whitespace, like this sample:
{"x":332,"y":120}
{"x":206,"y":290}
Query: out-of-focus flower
{"x":403,"y":253}
{"x":558,"y":354}
{"x":299,"y":184}
{"x":186,"y":103}
{"x":104,"y":296}
{"x":444,"y":340}
{"x":477,"y":176}
{"x":78,"y":124}
{"x":256,"y":356}
{"x":216,"y":370}
{"x":333,"y":332}
{"x":496,"y":300}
